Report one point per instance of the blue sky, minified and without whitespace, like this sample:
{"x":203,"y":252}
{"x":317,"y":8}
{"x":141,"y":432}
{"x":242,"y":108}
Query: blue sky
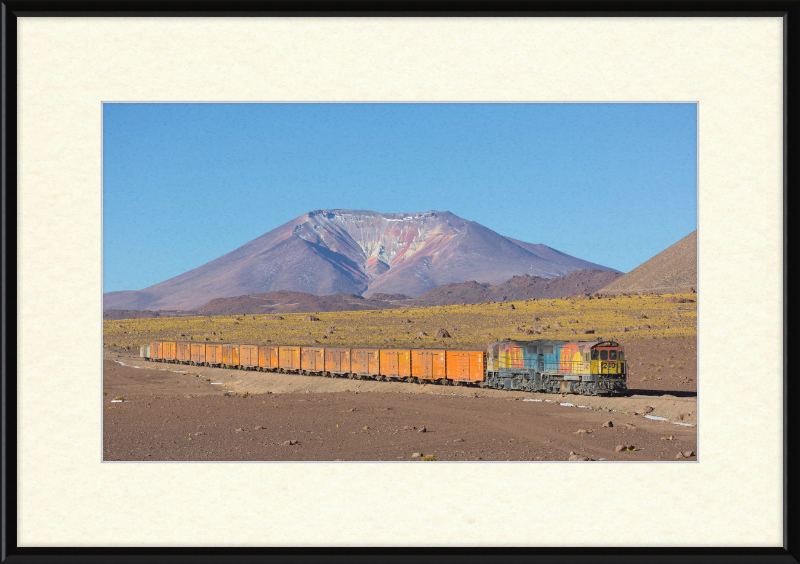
{"x":184,"y":184}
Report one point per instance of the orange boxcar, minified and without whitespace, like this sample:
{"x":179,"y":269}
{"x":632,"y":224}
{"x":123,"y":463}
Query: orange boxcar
{"x":268,"y":358}
{"x":248,"y":356}
{"x":337,"y":360}
{"x":213,"y":355}
{"x":395,"y":363}
{"x":428,"y":364}
{"x":466,"y":366}
{"x":312,"y":359}
{"x":365,"y":362}
{"x":230,"y":356}
{"x":183,"y":353}
{"x":198,"y":352}
{"x":155,"y":350}
{"x":169,"y":350}
{"x":289,"y":358}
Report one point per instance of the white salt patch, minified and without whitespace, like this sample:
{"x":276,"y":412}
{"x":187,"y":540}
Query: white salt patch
{"x":601,"y":459}
{"x":657,"y":418}
{"x":684,"y":424}
{"x":216,"y":383}
{"x":178,"y":371}
{"x":531,"y":400}
{"x":122,"y":363}
{"x":584,"y":406}
{"x":568,"y":404}
{"x":120,"y":401}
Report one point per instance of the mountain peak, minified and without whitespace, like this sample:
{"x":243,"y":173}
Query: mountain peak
{"x":363,"y":252}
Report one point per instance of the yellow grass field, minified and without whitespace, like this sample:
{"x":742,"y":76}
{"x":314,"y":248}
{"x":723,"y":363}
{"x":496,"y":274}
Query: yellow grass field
{"x":470,"y":326}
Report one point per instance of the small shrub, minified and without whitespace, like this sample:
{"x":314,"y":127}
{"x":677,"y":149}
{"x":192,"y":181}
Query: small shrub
{"x":120,"y":398}
{"x":226,"y":393}
{"x":429,"y":458}
{"x":244,"y":395}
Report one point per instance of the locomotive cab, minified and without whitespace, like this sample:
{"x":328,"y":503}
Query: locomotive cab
{"x":607,"y":358}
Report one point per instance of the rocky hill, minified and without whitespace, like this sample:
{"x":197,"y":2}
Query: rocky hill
{"x":523,"y":287}
{"x":673,"y":270}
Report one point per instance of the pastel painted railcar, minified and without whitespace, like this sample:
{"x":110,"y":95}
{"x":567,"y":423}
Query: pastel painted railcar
{"x":312,"y":360}
{"x":230,"y":356}
{"x":248,"y":357}
{"x":268,"y":358}
{"x":523,"y":365}
{"x":365,"y":363}
{"x":144,"y":351}
{"x":429,"y":365}
{"x":183,"y":352}
{"x":465,"y":367}
{"x":595,"y":367}
{"x":337,"y":361}
{"x":213,"y":354}
{"x":395,"y":364}
{"x":198,"y":354}
{"x":289,"y":359}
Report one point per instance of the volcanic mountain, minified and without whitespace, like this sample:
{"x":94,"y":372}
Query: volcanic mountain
{"x":356,"y":252}
{"x":673,"y":270}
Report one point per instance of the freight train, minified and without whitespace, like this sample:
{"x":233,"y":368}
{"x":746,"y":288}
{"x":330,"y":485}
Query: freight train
{"x":587,"y":368}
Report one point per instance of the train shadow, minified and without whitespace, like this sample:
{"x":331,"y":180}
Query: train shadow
{"x":657,"y":393}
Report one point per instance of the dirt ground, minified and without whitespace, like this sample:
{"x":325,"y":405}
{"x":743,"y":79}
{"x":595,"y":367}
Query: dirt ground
{"x":178,"y":412}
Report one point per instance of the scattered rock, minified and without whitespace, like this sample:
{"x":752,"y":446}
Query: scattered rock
{"x":416,"y":455}
{"x":581,"y":432}
{"x":422,"y":334}
{"x":200,"y":433}
{"x":458,"y":441}
{"x":365,"y":428}
{"x":670,"y":438}
{"x":311,"y":318}
{"x":608,"y":424}
{"x":619,"y":448}
{"x":647,"y":409}
{"x":422,"y":429}
{"x":238,"y":430}
{"x":630,"y":426}
{"x":408,"y":428}
{"x":511,"y":306}
{"x":290,"y":442}
{"x":579,"y":458}
{"x":688,"y":453}
{"x":442,"y":333}
{"x":260,"y":427}
{"x":589,"y":332}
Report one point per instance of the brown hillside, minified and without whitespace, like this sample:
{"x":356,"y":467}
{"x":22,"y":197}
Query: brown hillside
{"x":525,"y":287}
{"x":672,"y":270}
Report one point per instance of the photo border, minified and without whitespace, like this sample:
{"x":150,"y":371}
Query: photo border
{"x":11,"y":10}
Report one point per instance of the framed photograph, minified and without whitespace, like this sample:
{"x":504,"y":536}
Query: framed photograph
{"x":76,"y":76}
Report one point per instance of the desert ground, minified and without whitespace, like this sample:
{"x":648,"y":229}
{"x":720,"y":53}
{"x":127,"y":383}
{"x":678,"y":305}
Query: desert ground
{"x":176,"y":412}
{"x":170,"y":412}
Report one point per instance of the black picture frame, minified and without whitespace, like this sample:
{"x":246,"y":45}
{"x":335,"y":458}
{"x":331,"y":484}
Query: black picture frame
{"x":789,"y":10}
